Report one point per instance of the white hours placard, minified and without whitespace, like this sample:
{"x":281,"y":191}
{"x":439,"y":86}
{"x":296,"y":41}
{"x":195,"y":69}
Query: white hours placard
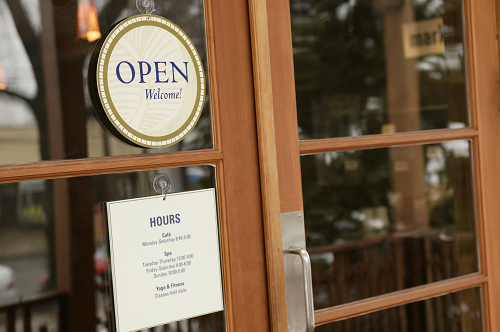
{"x":165,"y":258}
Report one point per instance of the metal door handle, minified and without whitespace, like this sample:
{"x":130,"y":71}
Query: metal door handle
{"x":306,"y":270}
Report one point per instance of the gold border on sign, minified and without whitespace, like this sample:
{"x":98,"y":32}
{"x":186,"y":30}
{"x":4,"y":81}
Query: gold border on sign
{"x":102,"y":78}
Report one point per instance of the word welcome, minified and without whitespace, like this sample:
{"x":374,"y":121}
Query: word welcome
{"x":157,"y":94}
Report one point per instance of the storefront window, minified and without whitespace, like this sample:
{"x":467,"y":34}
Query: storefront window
{"x":370,"y":67}
{"x":54,"y":249}
{"x":404,"y":216}
{"x":45,"y":111}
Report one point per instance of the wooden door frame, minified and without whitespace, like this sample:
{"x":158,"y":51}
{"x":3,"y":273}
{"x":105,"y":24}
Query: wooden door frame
{"x":484,"y":133}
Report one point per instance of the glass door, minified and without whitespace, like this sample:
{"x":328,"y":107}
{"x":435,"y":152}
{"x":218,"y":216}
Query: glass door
{"x":392,"y":158}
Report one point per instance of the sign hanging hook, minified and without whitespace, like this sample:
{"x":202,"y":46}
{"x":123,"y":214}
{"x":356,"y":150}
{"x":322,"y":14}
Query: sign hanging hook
{"x":162,"y":184}
{"x":145,"y":7}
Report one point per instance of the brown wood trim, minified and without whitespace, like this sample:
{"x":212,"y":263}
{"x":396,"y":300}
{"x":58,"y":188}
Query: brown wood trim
{"x":224,"y":246}
{"x":497,"y":31}
{"x":91,"y":166}
{"x":391,"y":300}
{"x":384,"y":140}
{"x":483,"y":56}
{"x":481,"y":236}
{"x":212,"y":74}
{"x":219,"y":168}
{"x":268,"y":162}
{"x":285,"y":109}
{"x":470,"y":63}
{"x":246,"y":255}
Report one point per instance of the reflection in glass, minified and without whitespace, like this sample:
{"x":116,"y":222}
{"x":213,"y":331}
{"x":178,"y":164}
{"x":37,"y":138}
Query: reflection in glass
{"x":403,"y":216}
{"x":42,"y":221}
{"x":369,"y":67}
{"x":457,"y":312}
{"x":44,"y":112}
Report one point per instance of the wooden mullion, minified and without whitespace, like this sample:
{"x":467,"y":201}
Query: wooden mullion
{"x":242,"y":226}
{"x":94,"y":166}
{"x":470,"y":63}
{"x":481,"y":237}
{"x":482,"y":53}
{"x":398,"y":298}
{"x":224,"y":245}
{"x":384,"y":140}
{"x":212,"y":70}
{"x":285,"y":109}
{"x":268,"y":164}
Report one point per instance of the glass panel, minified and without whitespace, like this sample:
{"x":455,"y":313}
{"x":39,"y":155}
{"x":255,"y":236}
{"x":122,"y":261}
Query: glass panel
{"x":403,"y":216}
{"x":29,"y":98}
{"x":368,"y":67}
{"x":41,"y":221}
{"x":457,"y":312}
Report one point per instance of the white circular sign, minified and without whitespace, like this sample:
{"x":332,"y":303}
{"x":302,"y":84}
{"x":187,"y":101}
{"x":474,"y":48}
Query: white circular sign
{"x":151,"y":81}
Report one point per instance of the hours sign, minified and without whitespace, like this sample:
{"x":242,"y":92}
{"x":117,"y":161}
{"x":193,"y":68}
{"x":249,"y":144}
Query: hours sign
{"x":165,"y":258}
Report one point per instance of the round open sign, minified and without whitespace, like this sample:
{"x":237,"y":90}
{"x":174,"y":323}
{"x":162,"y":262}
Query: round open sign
{"x":150,"y":81}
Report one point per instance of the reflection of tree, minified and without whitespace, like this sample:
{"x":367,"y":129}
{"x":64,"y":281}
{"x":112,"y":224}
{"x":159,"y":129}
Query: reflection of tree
{"x":32,"y":46}
{"x":341,"y":90}
{"x":111,"y":12}
{"x":32,"y":43}
{"x":335,"y":195}
{"x":188,"y":15}
{"x":338,"y":53}
{"x":68,"y":202}
{"x":70,"y":76}
{"x":340,"y":66}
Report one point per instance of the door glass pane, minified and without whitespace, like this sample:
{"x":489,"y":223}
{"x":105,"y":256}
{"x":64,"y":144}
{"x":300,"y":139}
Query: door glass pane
{"x":457,"y":312}
{"x":42,"y":221}
{"x":403,"y":216}
{"x":368,"y":67}
{"x":45,"y":113}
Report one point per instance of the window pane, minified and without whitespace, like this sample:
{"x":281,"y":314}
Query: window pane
{"x":457,"y":312}
{"x":403,"y":216}
{"x":369,"y":67}
{"x":42,"y":221}
{"x":29,"y":99}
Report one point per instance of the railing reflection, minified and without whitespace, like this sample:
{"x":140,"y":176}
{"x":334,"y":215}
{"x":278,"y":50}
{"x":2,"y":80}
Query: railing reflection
{"x":48,"y":313}
{"x":455,"y":312}
{"x":22,"y":313}
{"x":354,"y":270}
{"x":207,"y":323}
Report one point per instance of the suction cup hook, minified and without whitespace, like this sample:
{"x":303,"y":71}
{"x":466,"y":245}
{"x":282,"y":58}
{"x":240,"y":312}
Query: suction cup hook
{"x":145,"y":7}
{"x":162,"y":184}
